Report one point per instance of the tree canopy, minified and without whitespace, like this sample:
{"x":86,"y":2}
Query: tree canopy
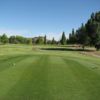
{"x":87,"y":34}
{"x":63,"y":39}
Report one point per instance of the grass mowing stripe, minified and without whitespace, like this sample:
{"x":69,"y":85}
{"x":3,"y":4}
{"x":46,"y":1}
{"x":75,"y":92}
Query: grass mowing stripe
{"x":9,"y":77}
{"x":48,"y":75}
{"x":63,"y":83}
{"x":11,"y":62}
{"x":32,"y":82}
{"x":13,"y":57}
{"x":88,"y":78}
{"x":91,"y":64}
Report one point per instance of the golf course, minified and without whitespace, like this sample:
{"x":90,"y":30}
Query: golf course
{"x":31,"y":73}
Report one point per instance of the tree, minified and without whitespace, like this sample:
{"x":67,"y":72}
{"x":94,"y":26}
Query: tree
{"x":29,"y":41}
{"x":88,"y":34}
{"x":97,"y":44}
{"x":45,"y":39}
{"x":93,"y":29}
{"x":12,"y":40}
{"x":0,"y":39}
{"x":93,"y":16}
{"x":97,"y":17}
{"x":63,"y":39}
{"x":40,"y":40}
{"x":4,"y":39}
{"x":83,"y":37}
{"x":20,"y":39}
{"x":72,"y":37}
{"x":97,"y":39}
{"x":53,"y":41}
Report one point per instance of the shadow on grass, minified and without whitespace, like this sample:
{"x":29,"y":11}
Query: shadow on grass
{"x":66,"y":49}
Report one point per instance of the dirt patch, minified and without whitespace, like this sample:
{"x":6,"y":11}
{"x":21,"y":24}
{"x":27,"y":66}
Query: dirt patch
{"x":92,"y":53}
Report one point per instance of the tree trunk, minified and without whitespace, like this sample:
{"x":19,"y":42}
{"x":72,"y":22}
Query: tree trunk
{"x":83,"y":47}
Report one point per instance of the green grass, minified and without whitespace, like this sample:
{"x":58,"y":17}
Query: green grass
{"x":27,"y":73}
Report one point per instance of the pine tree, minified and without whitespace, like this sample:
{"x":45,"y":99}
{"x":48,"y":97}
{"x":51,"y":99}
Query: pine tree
{"x":45,"y":39}
{"x":83,"y":37}
{"x":63,"y":39}
{"x":53,"y":41}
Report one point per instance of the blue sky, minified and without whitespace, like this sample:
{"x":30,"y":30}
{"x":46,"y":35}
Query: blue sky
{"x":40,"y":17}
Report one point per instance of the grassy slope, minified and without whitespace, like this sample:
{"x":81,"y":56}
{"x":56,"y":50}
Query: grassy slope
{"x":26,"y":74}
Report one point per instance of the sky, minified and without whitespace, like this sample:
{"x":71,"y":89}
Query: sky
{"x":32,"y":18}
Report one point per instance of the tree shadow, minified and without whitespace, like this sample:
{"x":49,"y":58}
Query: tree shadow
{"x":67,"y":49}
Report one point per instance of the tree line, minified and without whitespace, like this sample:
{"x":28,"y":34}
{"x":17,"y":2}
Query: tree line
{"x":88,"y":34}
{"x":4,"y":39}
{"x":14,"y":40}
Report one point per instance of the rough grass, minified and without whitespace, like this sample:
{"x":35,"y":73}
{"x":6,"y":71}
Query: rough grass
{"x":33,"y":74}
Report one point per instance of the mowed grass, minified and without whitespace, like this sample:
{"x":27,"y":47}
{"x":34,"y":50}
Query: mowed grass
{"x":28,"y":73}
